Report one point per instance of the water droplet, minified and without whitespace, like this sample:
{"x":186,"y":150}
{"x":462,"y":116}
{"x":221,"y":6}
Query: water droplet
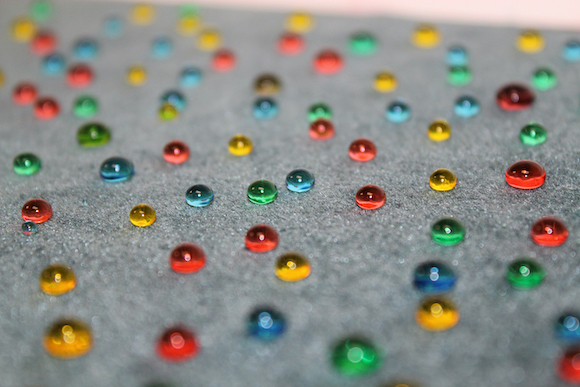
{"x":290,"y":44}
{"x":190,"y":77}
{"x":457,"y":56}
{"x":223,"y":61}
{"x":176,"y":152}
{"x":85,"y":106}
{"x":439,"y":130}
{"x":161,"y":48}
{"x":466,"y":106}
{"x":24,"y":94}
{"x":356,"y":356}
{"x":46,"y":108}
{"x":93,"y":134}
{"x":319,"y":110}
{"x":41,"y":10}
{"x":568,"y":327}
{"x":328,"y":62}
{"x":262,"y":192}
{"x":187,"y":258}
{"x":142,"y":215}
{"x":267,"y":84}
{"x":117,"y":169}
{"x":136,"y":75}
{"x":265,"y":108}
{"x":113,"y":26}
{"x":321,"y":130}
{"x":177,"y":344}
{"x":447,"y":232}
{"x":292,"y":267}
{"x":261,"y":238}
{"x":57,"y":279}
{"x":67,"y":339}
{"x":544,"y":79}
{"x":459,"y":75}
{"x":442,"y":180}
{"x":26,"y":164}
{"x":549,"y":231}
{"x":514,"y":97}
{"x":53,"y":64}
{"x":29,"y":228}
{"x":362,"y":150}
{"x":530,"y":41}
{"x":370,"y":197}
{"x":240,"y":145}
{"x":525,"y":274}
{"x":173,"y":98}
{"x":571,"y":51}
{"x":385,"y":82}
{"x":86,"y":49}
{"x":142,"y":14}
{"x":426,"y":36}
{"x":299,"y":22}
{"x":23,"y":29}
{"x":266,"y":323}
{"x":209,"y":39}
{"x":199,"y":195}
{"x":363,"y":43}
{"x":37,"y":211}
{"x":525,"y":174}
{"x":434,"y":277}
{"x":437,"y":314}
{"x":398,"y":111}
{"x":43,"y":43}
{"x":79,"y":76}
{"x":168,"y":112}
{"x":533,"y":134}
{"x":299,"y":180}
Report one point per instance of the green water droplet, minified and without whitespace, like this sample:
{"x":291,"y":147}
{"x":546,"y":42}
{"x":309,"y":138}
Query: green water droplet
{"x":85,"y":106}
{"x":26,"y":164}
{"x":40,"y":10}
{"x":319,"y":110}
{"x":533,"y":134}
{"x":544,"y":79}
{"x":447,"y":232}
{"x":525,"y":274}
{"x":363,"y":43}
{"x":262,"y":192}
{"x":356,"y":356}
{"x":459,"y":75}
{"x":93,"y":134}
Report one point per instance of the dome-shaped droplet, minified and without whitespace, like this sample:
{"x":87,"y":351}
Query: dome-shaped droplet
{"x":525,"y":274}
{"x":266,"y":323}
{"x":116,"y":169}
{"x":525,"y":174}
{"x":261,"y":238}
{"x":299,"y":180}
{"x":549,"y":231}
{"x":433,"y":277}
{"x":356,"y":356}
{"x":447,"y":231}
{"x":514,"y":97}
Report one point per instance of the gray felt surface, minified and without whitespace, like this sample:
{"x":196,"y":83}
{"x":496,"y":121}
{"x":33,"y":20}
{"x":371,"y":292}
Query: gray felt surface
{"x":362,"y":261}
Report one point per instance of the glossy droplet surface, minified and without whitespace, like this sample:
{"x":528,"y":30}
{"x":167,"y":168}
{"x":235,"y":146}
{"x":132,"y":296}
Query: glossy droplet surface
{"x":46,"y":108}
{"x":190,"y":77}
{"x":292,"y":267}
{"x":266,"y":323}
{"x":328,"y":62}
{"x":434,"y":277}
{"x":370,"y":197}
{"x":437,"y":314}
{"x":142,"y":14}
{"x":525,"y":174}
{"x":187,"y":258}
{"x":174,"y":98}
{"x":459,"y":75}
{"x":549,"y":231}
{"x":199,"y":195}
{"x":36,"y":210}
{"x":161,"y":48}
{"x":85,"y":106}
{"x":442,"y":180}
{"x":209,"y":40}
{"x":168,"y":112}
{"x":136,"y":75}
{"x":533,"y":134}
{"x":530,"y":41}
{"x":57,"y":279}
{"x":525,"y":274}
{"x":385,"y":82}
{"x":23,"y":29}
{"x":514,"y":97}
{"x":363,"y":43}
{"x":267,"y":84}
{"x":261,"y":238}
{"x":240,"y":145}
{"x":362,"y":149}
{"x":457,"y":56}
{"x":67,"y":339}
{"x":29,"y":228}
{"x":299,"y":180}
{"x":568,"y":367}
{"x":53,"y":64}
{"x":299,"y":22}
{"x":86,"y":49}
{"x":26,"y":164}
{"x":571,"y":51}
{"x":426,"y":36}
{"x":116,"y":169}
{"x":24,"y":94}
{"x":265,"y":108}
{"x":319,"y":110}
{"x":290,"y":44}
{"x":447,"y":232}
{"x":43,"y":43}
{"x":544,"y":79}
{"x":321,"y":130}
{"x":567,"y":327}
{"x":176,"y":152}
{"x":177,"y":344}
{"x":79,"y":76}
{"x":223,"y":60}
{"x":188,"y":24}
{"x":466,"y":106}
{"x":439,"y":130}
{"x":93,"y":134}
{"x":355,"y":356}
{"x":262,"y":192}
{"x":398,"y":111}
{"x":142,"y":215}
{"x":40,"y":10}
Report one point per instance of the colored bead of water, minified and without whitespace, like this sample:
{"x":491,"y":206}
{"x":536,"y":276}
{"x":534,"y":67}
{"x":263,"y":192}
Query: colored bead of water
{"x":168,"y":112}
{"x":174,"y":98}
{"x":525,"y":174}
{"x":67,"y":339}
{"x":187,"y":258}
{"x":209,"y":40}
{"x":568,"y":367}
{"x":43,"y":43}
{"x":223,"y":61}
{"x":525,"y":274}
{"x":370,"y":197}
{"x":79,"y":76}
{"x":533,"y":134}
{"x":176,"y":152}
{"x":356,"y":356}
{"x":188,"y":25}
{"x":300,"y":180}
{"x":328,"y":62}
{"x":265,"y":108}
{"x":240,"y":145}
{"x":442,"y":180}
{"x":266,"y":324}
{"x":434,"y":277}
{"x":85,"y":106}
{"x":261,"y":238}
{"x":437,"y":314}
{"x":426,"y":36}
{"x":86,"y":49}
{"x":362,"y":149}
{"x":292,"y":267}
{"x":113,"y":26}
{"x":23,"y":29}
{"x":26,"y":164}
{"x":142,"y":215}
{"x":57,"y":279}
{"x":544,"y":79}
{"x":262,"y":192}
{"x":571,"y":51}
{"x":290,"y":44}
{"x":439,"y":130}
{"x":199,"y":195}
{"x":514,"y":97}
{"x":459,"y":75}
{"x":40,"y":10}
{"x":299,"y":22}
{"x":161,"y":48}
{"x":319,"y":110}
{"x":37,"y":211}
{"x":93,"y":134}
{"x":46,"y":108}
{"x":24,"y":94}
{"x":267,"y":84}
{"x":568,"y":327}
{"x":142,"y":14}
{"x":116,"y":169}
{"x":188,"y":10}
{"x":549,"y":231}
{"x":385,"y":82}
{"x":363,"y":43}
{"x":190,"y":77}
{"x":53,"y":64}
{"x":466,"y":106}
{"x":447,"y":232}
{"x":136,"y":75}
{"x":457,"y":56}
{"x":177,"y":344}
{"x":29,"y":228}
{"x":398,"y":111}
{"x":530,"y":41}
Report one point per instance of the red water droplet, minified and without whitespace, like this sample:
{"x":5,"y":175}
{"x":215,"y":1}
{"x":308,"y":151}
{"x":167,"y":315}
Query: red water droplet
{"x":525,"y":174}
{"x":568,"y":367}
{"x":549,"y":231}
{"x":223,"y":60}
{"x":79,"y":75}
{"x":321,"y":130}
{"x":46,"y":108}
{"x":370,"y":197}
{"x":290,"y":43}
{"x":514,"y":97}
{"x":328,"y":62}
{"x":43,"y":43}
{"x":177,"y":344}
{"x":37,"y":211}
{"x":176,"y":152}
{"x":261,"y":238}
{"x":187,"y":258}
{"x":362,"y":149}
{"x":24,"y":94}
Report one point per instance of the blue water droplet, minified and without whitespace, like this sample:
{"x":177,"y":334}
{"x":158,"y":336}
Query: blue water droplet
{"x":265,"y":108}
{"x":29,"y":227}
{"x":117,"y":169}
{"x":266,"y":324}
{"x":398,"y":111}
{"x":174,"y":98}
{"x":199,"y":195}
{"x":86,"y":49}
{"x":190,"y":77}
{"x":572,"y":51}
{"x":466,"y":106}
{"x":113,"y":26}
{"x":434,"y":277}
{"x":568,"y":327}
{"x":457,"y":56}
{"x":299,"y":180}
{"x":161,"y":48}
{"x":53,"y":64}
